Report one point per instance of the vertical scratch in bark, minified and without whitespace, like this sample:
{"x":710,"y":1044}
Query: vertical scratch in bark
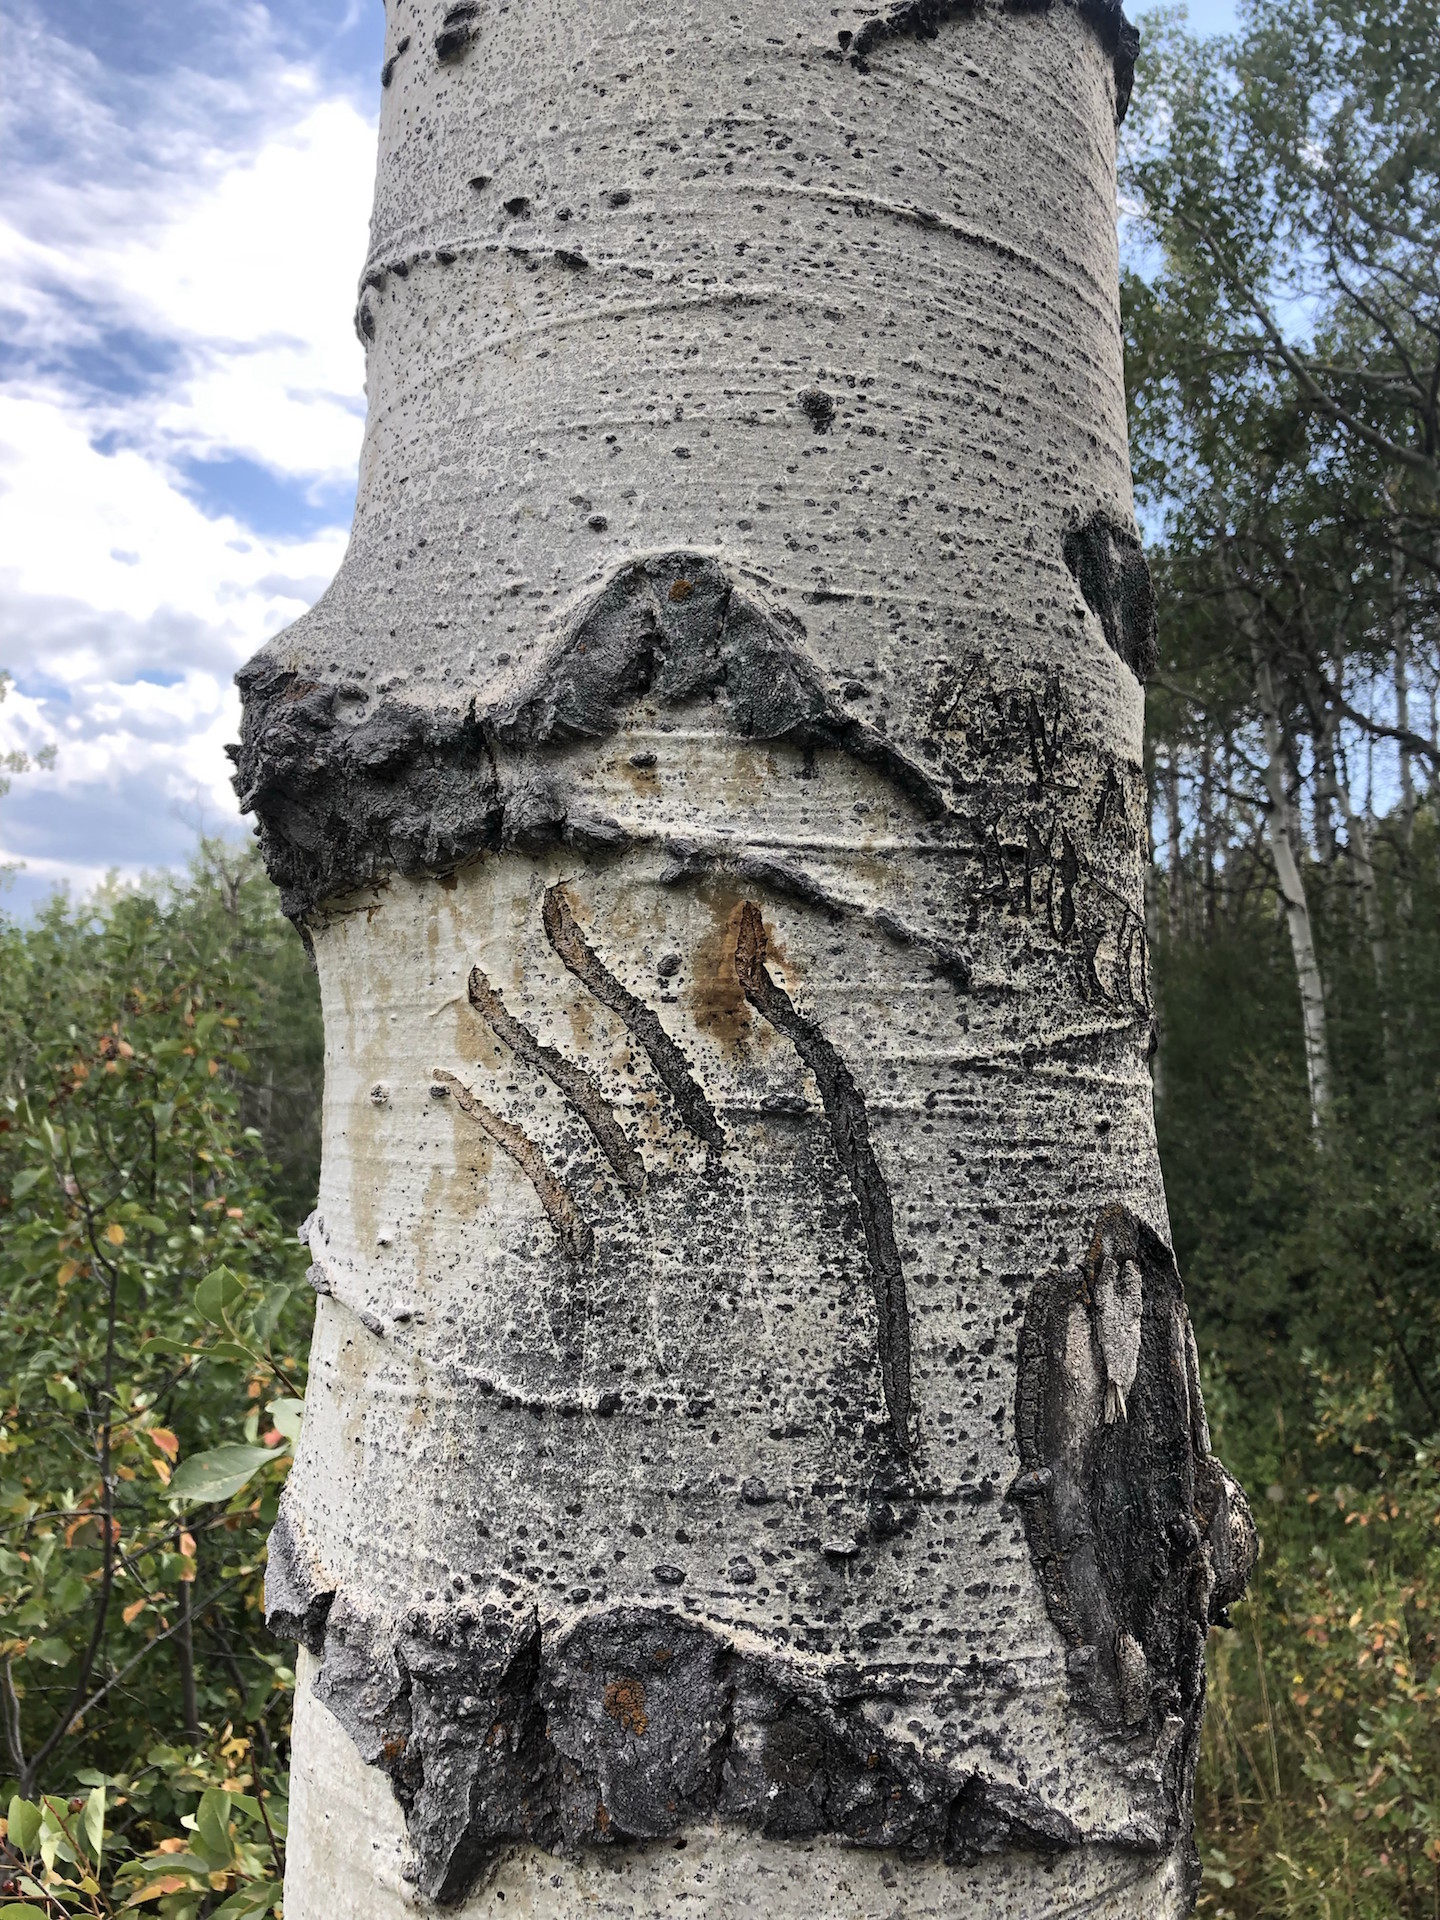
{"x":668,"y":1061}
{"x":576,"y":1085}
{"x":850,"y":1132}
{"x":570,"y":1225}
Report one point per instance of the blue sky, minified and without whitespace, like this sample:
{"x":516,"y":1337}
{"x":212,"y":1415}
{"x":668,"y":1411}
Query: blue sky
{"x":181,"y":392}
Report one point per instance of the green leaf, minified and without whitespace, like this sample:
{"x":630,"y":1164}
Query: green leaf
{"x":233,"y":1350}
{"x":93,"y":1821}
{"x":288,"y":1415}
{"x":267,"y":1315}
{"x":23,"y":1182}
{"x":217,"y":1293}
{"x":212,"y":1826}
{"x":16,"y":1912}
{"x":166,"y":1343}
{"x":53,"y":1652}
{"x":219,"y":1473}
{"x":24,"y":1827}
{"x":54,"y":1841}
{"x":248,"y":1904}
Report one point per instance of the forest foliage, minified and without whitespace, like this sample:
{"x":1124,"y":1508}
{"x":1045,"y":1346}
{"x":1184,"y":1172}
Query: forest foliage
{"x":160,"y":1067}
{"x":159,"y":1071}
{"x":1282,"y":318}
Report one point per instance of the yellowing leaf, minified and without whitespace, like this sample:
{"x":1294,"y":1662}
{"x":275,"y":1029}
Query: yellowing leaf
{"x":67,"y":1273}
{"x":115,"y":1234}
{"x":157,"y":1889}
{"x":166,"y":1441}
{"x":136,"y":1607}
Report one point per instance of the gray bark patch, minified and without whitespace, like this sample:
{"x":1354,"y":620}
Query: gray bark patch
{"x":297,"y":1597}
{"x":630,"y":1725}
{"x":1140,"y":1538}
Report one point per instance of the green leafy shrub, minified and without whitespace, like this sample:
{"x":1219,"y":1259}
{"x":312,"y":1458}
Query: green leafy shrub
{"x":154,"y":1319}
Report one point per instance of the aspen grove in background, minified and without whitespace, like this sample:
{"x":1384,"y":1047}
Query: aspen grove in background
{"x":754,"y":1450}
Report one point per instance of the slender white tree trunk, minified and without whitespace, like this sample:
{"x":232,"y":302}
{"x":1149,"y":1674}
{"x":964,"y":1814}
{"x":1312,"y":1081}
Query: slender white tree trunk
{"x":754,"y":1460}
{"x":1280,"y":830}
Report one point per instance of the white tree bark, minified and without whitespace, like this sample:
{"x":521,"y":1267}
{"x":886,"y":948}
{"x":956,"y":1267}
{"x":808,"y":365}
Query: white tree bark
{"x":754,"y":1459}
{"x":1280,"y":830}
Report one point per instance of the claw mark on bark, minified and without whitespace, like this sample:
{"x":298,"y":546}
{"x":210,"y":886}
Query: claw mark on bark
{"x":668,"y":1061}
{"x":576,"y":1085}
{"x":570,"y":1225}
{"x":850,"y":1132}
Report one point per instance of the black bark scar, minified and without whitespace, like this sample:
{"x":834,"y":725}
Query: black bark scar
{"x":1140,"y":1538}
{"x":923,"y":19}
{"x":1108,"y":563}
{"x":574,"y":1082}
{"x":850,"y":1132}
{"x":668,"y":1061}
{"x":572,"y":1229}
{"x":350,"y":786}
{"x":626,"y":1725}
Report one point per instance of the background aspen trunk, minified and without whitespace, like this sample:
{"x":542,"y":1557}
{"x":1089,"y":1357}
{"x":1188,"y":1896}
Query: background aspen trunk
{"x":754,"y":1459}
{"x":1280,"y":832}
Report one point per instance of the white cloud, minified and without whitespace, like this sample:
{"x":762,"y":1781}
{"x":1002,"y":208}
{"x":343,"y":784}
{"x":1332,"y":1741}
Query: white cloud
{"x":179,"y":288}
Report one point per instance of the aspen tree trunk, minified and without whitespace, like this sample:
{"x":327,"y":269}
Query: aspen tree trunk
{"x":1280,"y":830}
{"x":754,"y":1460}
{"x":1176,"y":917}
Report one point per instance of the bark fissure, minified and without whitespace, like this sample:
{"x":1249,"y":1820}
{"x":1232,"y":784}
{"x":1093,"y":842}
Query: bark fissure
{"x":578,"y":1087}
{"x":850,"y":1132}
{"x":670,"y":1064}
{"x":689,"y":859}
{"x":572,"y":1229}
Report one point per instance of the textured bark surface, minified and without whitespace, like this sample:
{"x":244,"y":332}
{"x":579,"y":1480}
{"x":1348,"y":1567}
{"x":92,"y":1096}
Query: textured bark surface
{"x":713,"y":791}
